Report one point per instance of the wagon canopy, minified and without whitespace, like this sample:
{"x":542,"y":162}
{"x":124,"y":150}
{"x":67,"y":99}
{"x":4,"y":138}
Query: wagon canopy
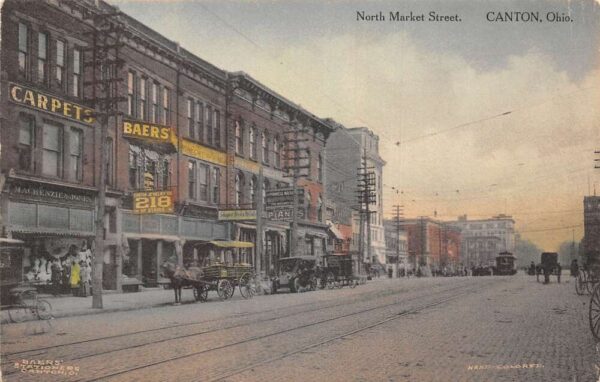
{"x":232,"y":244}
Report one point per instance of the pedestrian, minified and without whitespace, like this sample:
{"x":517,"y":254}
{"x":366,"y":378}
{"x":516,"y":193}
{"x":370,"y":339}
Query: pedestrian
{"x":75,"y":278}
{"x":574,"y":268}
{"x":86,"y":277}
{"x":56,"y":277}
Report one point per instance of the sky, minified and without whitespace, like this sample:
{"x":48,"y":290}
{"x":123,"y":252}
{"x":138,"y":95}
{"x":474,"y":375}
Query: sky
{"x":474,"y":117}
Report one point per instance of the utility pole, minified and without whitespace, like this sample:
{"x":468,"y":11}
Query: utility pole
{"x":366,"y":197}
{"x":398,"y":225}
{"x":105,"y":65}
{"x":295,"y":153}
{"x":259,"y":223}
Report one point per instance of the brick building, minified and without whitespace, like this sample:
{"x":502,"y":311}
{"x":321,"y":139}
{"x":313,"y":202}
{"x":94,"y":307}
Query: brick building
{"x":433,"y":244}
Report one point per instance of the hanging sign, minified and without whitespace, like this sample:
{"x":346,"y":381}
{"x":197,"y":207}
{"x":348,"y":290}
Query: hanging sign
{"x":237,"y":215}
{"x":153,"y":202}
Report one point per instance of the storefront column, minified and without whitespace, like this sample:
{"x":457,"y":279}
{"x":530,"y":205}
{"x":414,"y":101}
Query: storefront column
{"x":159,"y":250}
{"x":139,"y":260}
{"x":120,"y":250}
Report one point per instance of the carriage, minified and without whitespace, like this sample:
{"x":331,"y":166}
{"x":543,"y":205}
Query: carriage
{"x":222,"y":274}
{"x":549,"y":266}
{"x":296,"y":273}
{"x":338,"y":272}
{"x":505,"y":264}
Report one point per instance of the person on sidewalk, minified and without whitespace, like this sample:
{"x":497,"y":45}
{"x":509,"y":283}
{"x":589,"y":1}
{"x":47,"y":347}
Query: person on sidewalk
{"x":75,"y":277}
{"x":56,"y":277}
{"x":86,"y":276}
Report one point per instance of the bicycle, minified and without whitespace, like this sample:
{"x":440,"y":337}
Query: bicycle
{"x":26,"y":303}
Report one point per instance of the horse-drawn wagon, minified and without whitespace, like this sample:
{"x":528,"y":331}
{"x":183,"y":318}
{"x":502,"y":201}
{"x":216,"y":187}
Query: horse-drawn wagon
{"x":338,"y":272}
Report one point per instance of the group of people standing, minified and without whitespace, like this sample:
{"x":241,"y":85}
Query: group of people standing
{"x":73,"y":273}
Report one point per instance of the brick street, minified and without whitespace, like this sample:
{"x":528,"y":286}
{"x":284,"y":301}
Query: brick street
{"x":433,"y":329}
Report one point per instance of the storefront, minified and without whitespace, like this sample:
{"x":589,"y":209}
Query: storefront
{"x":55,"y":222}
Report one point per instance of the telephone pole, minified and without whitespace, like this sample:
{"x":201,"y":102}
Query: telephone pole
{"x":294,"y":154}
{"x":399,"y":215}
{"x":105,"y":64}
{"x":366,"y":197}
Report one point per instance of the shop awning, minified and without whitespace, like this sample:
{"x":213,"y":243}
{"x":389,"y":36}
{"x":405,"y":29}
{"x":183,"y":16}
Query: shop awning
{"x":4,"y":240}
{"x":336,"y":232}
{"x":151,"y":236}
{"x":232,"y":244}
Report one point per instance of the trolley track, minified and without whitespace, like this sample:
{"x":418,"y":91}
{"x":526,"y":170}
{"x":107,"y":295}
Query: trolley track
{"x":465,"y":290}
{"x":359,"y":297}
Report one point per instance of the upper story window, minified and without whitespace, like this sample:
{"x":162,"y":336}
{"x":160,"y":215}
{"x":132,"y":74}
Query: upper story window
{"x":23,"y":49}
{"x":200,"y":120}
{"x":60,"y":63}
{"x":239,"y":190}
{"x":320,"y":168}
{"x":203,"y":182}
{"x":134,"y":177}
{"x":276,"y":152}
{"x":264,"y":139}
{"x":154,"y":112}
{"x":216,"y":179}
{"x":252,"y":143}
{"x":76,"y":88}
{"x":192,"y":180}
{"x":130,"y":93}
{"x":209,"y":125}
{"x":239,"y":141}
{"x":52,"y":150}
{"x":166,"y":118}
{"x":142,"y":97}
{"x":76,"y":153}
{"x":190,"y":117}
{"x":253,"y":195}
{"x":42,"y":66}
{"x":217,"y":128}
{"x":26,"y":142}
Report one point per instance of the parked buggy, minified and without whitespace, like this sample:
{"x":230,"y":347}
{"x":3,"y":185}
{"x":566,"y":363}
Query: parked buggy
{"x":297,"y":273}
{"x":338,"y":272}
{"x":549,"y":266}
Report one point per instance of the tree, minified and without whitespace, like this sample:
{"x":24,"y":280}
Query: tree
{"x":526,"y":252}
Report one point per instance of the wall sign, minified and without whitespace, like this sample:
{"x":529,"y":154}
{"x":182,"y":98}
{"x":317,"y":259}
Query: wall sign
{"x":26,"y":96}
{"x":237,"y":215}
{"x":150,"y":131}
{"x":153,"y":202}
{"x":204,"y":153}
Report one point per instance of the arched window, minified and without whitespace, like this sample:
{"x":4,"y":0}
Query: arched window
{"x":239,"y":189}
{"x":239,"y":141}
{"x":253,"y":142}
{"x":276,"y":152}
{"x":253,"y":186}
{"x":265,"y":147}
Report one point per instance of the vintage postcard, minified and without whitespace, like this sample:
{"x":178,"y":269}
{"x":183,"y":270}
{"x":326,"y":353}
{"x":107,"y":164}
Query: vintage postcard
{"x":287,"y":190}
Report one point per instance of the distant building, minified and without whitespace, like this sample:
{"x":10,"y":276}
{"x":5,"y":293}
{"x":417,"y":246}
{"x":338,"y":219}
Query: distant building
{"x":591,"y":224}
{"x":345,"y":150}
{"x":396,"y":247}
{"x":433,"y":243}
{"x":483,"y":239}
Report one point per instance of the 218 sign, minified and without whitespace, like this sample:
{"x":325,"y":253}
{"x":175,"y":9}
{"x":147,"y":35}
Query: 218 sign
{"x":152,"y":202}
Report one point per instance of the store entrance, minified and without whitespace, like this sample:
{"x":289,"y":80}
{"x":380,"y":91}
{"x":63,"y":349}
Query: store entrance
{"x":149,"y":276}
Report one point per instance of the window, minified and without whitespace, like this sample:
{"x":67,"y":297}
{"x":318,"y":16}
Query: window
{"x":239,"y":142}
{"x":76,"y":72}
{"x":264,"y":139}
{"x":133,"y":170}
{"x":308,"y":201}
{"x":76,"y":151}
{"x":190,"y":116}
{"x":320,"y":168}
{"x":200,"y":121}
{"x":217,"y":128}
{"x":23,"y":49}
{"x":42,"y":67}
{"x":52,"y":153}
{"x":239,"y":193}
{"x":154,"y":115}
{"x":26,"y":140}
{"x":252,"y":143}
{"x":130,"y":93}
{"x":276,"y":152}
{"x":142,"y":97}
{"x":192,"y":180}
{"x":253,"y":191}
{"x":209,"y":125}
{"x":264,"y":192}
{"x":150,"y":174}
{"x":109,"y":161}
{"x":320,"y":208}
{"x":60,"y":62}
{"x":165,"y":175}
{"x":203,"y":182}
{"x":166,"y":118}
{"x":216,"y":178}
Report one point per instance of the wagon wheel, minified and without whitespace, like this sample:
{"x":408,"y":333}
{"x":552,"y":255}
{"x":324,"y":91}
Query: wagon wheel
{"x":247,"y":285}
{"x":201,"y":293}
{"x":594,"y":312}
{"x":580,"y":283}
{"x":590,"y":281}
{"x":43,"y":309}
{"x":225,"y":289}
{"x":19,"y":313}
{"x":330,"y":281}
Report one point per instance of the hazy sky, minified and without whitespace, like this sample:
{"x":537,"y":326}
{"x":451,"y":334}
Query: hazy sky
{"x":439,"y":89}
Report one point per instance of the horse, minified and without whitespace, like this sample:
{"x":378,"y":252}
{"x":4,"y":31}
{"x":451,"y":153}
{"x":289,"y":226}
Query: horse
{"x":180,"y":277}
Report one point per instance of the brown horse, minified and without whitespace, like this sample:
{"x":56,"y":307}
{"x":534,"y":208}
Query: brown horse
{"x":180,"y":277}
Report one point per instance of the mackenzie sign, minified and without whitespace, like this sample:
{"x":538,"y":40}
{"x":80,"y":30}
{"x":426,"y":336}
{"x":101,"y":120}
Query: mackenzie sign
{"x":26,"y":96}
